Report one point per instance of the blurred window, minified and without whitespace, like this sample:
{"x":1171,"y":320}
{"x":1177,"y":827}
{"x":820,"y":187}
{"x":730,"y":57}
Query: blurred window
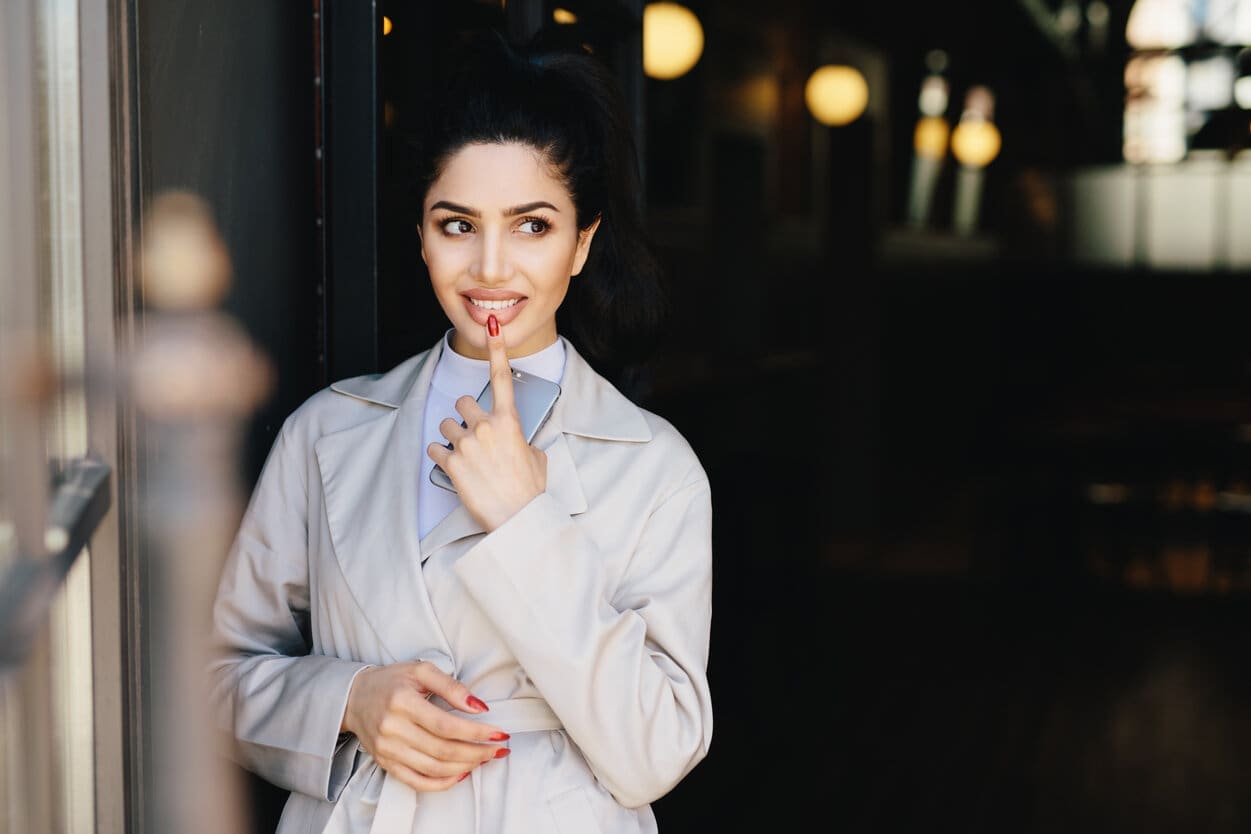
{"x":1183,"y":77}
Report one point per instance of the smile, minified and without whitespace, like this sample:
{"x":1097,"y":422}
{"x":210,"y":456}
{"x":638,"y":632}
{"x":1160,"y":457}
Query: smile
{"x":505,"y":306}
{"x":494,"y":305}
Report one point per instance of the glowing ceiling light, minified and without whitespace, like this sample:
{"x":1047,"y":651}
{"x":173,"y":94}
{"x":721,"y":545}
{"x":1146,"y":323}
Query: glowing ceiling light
{"x":836,"y":95}
{"x":930,"y":138}
{"x":673,"y":40}
{"x":386,"y":25}
{"x":564,"y":16}
{"x":933,"y":99}
{"x":976,"y":141}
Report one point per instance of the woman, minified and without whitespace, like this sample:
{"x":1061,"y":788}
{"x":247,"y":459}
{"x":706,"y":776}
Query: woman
{"x":529,"y":653}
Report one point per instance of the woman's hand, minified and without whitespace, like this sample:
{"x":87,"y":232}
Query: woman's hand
{"x":410,"y":738}
{"x":496,"y":472}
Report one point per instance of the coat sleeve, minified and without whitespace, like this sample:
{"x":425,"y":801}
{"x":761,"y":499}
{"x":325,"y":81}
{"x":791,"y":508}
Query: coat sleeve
{"x":623,"y":667}
{"x":281,"y":706}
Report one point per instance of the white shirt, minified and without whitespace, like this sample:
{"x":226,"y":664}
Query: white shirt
{"x":454,"y":377}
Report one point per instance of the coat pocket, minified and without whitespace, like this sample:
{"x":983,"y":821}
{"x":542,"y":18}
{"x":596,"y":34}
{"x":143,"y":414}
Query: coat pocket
{"x":572,"y":812}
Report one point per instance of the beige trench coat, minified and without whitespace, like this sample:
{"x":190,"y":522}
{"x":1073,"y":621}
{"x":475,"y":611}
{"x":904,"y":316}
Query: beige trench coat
{"x":583,"y":621}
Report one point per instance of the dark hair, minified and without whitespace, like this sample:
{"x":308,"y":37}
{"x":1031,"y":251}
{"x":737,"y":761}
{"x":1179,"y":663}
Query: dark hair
{"x":566,"y":106}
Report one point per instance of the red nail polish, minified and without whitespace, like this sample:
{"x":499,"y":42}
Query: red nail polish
{"x":493,"y":325}
{"x":477,"y":703}
{"x":463,"y":777}
{"x":499,"y":737}
{"x":502,"y":752}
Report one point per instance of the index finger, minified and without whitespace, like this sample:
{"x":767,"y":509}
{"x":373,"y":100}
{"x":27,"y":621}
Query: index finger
{"x":501,"y":373}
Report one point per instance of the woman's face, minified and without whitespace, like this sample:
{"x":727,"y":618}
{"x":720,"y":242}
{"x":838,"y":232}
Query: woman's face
{"x":500,"y":237}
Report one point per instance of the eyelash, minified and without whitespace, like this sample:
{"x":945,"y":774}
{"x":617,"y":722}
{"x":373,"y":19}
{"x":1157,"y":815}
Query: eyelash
{"x":443,"y":224}
{"x":544,"y":224}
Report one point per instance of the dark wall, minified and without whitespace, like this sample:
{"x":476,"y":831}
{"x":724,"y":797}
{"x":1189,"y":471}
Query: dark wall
{"x":226,"y":108}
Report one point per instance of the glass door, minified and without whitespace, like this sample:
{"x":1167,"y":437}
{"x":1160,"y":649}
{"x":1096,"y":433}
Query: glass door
{"x":60,"y":657}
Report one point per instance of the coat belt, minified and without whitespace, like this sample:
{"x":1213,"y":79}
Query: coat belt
{"x":397,"y":803}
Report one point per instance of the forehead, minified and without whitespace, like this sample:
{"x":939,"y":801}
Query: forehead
{"x":498,"y":175}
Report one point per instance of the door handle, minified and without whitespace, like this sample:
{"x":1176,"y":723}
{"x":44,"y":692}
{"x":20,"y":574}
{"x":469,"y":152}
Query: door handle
{"x":80,"y":499}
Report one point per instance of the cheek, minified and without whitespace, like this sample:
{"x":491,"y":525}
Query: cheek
{"x":557,"y":262}
{"x":440,"y":264}
{"x":555,"y":273}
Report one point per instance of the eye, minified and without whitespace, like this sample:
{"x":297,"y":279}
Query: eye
{"x":457,"y":227}
{"x":535,"y":226}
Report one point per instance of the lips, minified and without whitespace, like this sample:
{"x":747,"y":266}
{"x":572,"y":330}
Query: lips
{"x":503,"y":304}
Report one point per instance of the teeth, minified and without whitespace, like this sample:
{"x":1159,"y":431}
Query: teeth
{"x":494,"y":305}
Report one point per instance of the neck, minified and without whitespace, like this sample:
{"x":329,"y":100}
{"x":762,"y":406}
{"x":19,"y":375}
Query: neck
{"x":470,"y":349}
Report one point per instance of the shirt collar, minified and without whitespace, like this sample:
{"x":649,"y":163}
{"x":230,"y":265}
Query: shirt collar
{"x":456,"y":374}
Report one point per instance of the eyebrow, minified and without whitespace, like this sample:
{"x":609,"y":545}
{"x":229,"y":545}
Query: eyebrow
{"x":512,"y":212}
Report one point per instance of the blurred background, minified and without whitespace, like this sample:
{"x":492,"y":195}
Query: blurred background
{"x":958,"y":298}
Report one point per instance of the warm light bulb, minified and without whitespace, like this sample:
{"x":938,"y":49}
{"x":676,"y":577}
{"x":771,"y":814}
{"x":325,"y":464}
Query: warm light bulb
{"x":673,"y":40}
{"x":933,"y":99}
{"x":975,"y":142}
{"x":836,"y":95}
{"x":386,"y":25}
{"x":564,"y":16}
{"x":930,"y":138}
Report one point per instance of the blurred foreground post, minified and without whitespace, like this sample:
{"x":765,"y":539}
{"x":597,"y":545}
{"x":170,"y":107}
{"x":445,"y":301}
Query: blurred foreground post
{"x":195,"y":382}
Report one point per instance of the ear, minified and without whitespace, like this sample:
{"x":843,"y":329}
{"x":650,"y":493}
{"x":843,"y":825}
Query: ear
{"x":421,"y":241}
{"x":584,"y":246}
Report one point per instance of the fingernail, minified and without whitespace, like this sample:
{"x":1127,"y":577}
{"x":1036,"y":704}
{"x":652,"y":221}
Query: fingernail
{"x":499,"y":737}
{"x":502,"y":752}
{"x":493,"y":325}
{"x":463,"y":777}
{"x":477,"y":703}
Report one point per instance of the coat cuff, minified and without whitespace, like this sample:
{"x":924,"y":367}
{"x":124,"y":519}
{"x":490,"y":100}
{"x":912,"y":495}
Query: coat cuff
{"x":343,"y":763}
{"x":297,"y":745}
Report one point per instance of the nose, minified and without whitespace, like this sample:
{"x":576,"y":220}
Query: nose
{"x":492,"y":263}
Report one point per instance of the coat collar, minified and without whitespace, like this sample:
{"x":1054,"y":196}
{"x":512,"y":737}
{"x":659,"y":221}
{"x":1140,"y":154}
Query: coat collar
{"x":369,"y":476}
{"x":589,"y":406}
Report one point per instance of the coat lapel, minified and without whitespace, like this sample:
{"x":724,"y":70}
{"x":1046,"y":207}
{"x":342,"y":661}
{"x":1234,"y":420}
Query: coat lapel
{"x":562,"y":484}
{"x":369,"y":475}
{"x":370,"y":471}
{"x":588,"y":406}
